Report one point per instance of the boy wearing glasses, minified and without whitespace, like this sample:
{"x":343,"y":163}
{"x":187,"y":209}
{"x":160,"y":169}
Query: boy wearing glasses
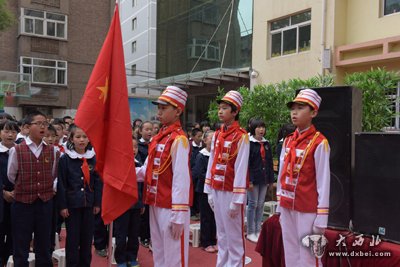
{"x":32,"y":167}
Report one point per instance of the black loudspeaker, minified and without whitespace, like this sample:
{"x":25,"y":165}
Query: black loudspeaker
{"x":376,"y":183}
{"x":339,"y":117}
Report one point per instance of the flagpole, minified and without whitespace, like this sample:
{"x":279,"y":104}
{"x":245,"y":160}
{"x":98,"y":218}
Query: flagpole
{"x":110,"y":247}
{"x":110,"y":227}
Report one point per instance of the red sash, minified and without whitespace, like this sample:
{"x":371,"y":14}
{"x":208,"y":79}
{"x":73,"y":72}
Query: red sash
{"x":222,"y":135}
{"x":153,"y":147}
{"x":296,"y":139}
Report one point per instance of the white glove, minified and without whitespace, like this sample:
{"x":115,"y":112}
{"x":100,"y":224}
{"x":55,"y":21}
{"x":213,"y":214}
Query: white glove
{"x":234,"y":210}
{"x":210,"y":201}
{"x":320,"y":223}
{"x":176,"y":230}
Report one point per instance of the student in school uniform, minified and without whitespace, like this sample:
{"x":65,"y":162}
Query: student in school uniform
{"x":127,"y":228}
{"x":304,"y":181}
{"x":50,"y":138}
{"x":146,"y":133}
{"x":168,"y":183}
{"x":32,"y":168}
{"x":8,"y":133}
{"x":24,"y":131}
{"x":60,"y":128}
{"x":227,"y":181}
{"x":208,"y":230}
{"x":196,"y":145}
{"x":261,"y":175}
{"x":79,"y":197}
{"x":58,"y":142}
{"x":68,"y":120}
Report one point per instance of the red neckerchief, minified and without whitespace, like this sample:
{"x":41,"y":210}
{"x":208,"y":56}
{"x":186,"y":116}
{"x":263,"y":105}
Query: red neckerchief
{"x":61,"y":147}
{"x":222,"y":135}
{"x":153,"y":145}
{"x":262,"y":150}
{"x":296,"y":139}
{"x":86,"y":172}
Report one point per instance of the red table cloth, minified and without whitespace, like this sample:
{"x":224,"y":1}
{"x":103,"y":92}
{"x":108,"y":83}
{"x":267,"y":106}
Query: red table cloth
{"x":360,"y":250}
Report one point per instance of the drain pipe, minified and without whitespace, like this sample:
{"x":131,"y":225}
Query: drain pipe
{"x":323,"y":26}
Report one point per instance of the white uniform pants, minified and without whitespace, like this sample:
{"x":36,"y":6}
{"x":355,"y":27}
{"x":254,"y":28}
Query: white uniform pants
{"x":230,"y":232}
{"x":296,"y":225}
{"x":168,"y":252}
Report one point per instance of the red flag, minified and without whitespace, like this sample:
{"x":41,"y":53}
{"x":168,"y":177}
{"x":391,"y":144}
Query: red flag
{"x":103,"y":114}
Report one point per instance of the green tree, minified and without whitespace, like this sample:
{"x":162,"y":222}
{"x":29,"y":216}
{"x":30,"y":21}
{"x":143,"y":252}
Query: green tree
{"x":268,"y":102}
{"x":6,"y":17}
{"x":376,"y":105}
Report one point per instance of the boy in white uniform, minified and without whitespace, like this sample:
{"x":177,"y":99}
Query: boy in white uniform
{"x":227,"y":181}
{"x":168,"y":184}
{"x":303,"y":181}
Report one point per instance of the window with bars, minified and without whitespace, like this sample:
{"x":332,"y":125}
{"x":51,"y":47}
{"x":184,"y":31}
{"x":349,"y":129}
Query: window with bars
{"x":44,"y":71}
{"x":43,"y":23}
{"x":393,"y":94}
{"x":290,"y":35}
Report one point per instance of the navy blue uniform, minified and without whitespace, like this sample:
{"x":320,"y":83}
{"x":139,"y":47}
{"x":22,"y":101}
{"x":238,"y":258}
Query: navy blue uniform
{"x":208,"y":230}
{"x":5,"y":212}
{"x":79,"y":199}
{"x":261,"y":171}
{"x":195,"y":149}
{"x":126,"y":230}
{"x":143,"y":151}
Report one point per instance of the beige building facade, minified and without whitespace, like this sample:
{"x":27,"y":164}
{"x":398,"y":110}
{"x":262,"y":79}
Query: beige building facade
{"x":300,"y":39}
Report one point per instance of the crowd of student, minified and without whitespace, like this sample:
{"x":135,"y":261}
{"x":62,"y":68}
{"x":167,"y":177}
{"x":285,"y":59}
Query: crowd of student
{"x":48,"y":177}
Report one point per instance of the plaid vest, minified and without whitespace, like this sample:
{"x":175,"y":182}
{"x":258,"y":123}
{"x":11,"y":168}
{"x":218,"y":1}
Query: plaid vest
{"x":34,"y":179}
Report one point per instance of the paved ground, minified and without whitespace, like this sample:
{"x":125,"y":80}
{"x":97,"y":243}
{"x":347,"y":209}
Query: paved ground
{"x":197,"y":257}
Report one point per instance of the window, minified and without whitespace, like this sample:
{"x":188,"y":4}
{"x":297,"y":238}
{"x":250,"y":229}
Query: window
{"x":290,"y":35}
{"x":391,"y":6}
{"x":206,"y":14}
{"x":133,"y":47}
{"x":134,"y":24}
{"x":196,"y":48}
{"x":133,"y":70}
{"x":44,"y":71}
{"x":134,"y":3}
{"x":43,"y":23}
{"x":393,"y":95}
